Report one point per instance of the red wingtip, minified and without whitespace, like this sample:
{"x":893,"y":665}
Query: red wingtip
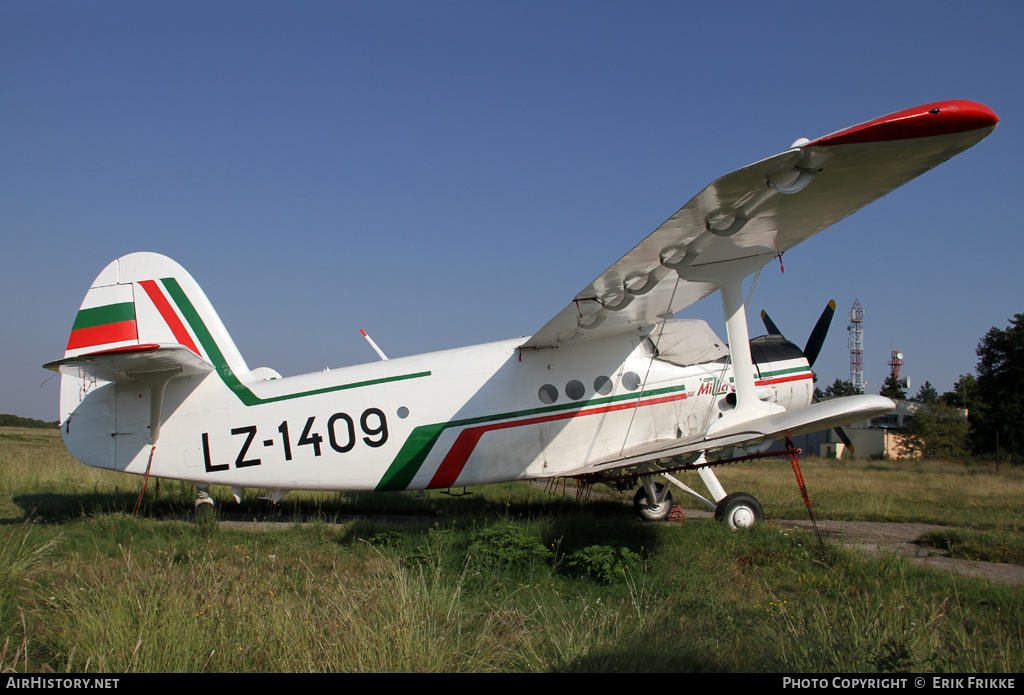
{"x":927,"y":120}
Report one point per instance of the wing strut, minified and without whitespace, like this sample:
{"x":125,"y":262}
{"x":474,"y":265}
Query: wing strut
{"x":728,"y":277}
{"x":643,"y":386}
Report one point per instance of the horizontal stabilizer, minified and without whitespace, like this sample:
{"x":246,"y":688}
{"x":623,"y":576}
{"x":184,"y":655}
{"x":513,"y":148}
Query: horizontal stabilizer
{"x":131,"y":363}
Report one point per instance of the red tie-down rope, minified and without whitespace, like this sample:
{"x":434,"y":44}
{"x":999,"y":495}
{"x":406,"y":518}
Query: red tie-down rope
{"x":795,"y":461}
{"x":145,"y":481}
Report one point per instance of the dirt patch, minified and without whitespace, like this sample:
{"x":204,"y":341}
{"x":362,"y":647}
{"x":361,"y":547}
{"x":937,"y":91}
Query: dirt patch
{"x":874,"y":537}
{"x":871,"y":537}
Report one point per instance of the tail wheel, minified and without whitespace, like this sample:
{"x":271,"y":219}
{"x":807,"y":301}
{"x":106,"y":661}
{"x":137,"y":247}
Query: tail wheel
{"x":739,"y":510}
{"x":655,"y":512}
{"x":204,"y":503}
{"x":205,"y":509}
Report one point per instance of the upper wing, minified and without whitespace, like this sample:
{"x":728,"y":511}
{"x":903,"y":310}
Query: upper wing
{"x":763,"y":210}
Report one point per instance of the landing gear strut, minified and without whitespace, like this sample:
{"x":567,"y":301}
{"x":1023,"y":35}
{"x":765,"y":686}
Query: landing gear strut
{"x":737,"y":510}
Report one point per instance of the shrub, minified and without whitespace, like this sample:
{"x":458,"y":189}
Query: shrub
{"x":602,"y":562}
{"x":507,"y":546}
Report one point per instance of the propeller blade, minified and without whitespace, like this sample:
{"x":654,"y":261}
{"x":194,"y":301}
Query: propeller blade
{"x":817,"y":338}
{"x":845,"y":440}
{"x":840,"y":432}
{"x":769,"y":324}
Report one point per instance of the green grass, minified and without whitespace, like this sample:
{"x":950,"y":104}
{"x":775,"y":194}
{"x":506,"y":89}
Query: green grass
{"x":975,"y":501}
{"x":508,"y":579}
{"x":929,"y":491}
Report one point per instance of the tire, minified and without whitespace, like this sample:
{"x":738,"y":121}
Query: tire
{"x":205,"y":509}
{"x":739,"y":510}
{"x":646,"y":511}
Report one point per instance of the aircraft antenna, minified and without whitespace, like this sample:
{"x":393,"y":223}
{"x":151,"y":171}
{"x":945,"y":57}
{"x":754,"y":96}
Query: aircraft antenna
{"x":373,"y":345}
{"x":856,"y":345}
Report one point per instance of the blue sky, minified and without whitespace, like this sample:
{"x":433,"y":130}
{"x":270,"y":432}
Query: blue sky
{"x":447,"y":173}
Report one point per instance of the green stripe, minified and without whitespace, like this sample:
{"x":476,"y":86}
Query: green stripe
{"x":422,"y":440}
{"x":770,"y":375}
{"x":780,"y":372}
{"x":228,"y":377}
{"x":102,"y":315}
{"x":411,"y":457}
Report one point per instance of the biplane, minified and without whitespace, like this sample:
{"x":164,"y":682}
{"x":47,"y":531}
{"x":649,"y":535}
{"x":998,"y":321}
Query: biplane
{"x":613,"y":387}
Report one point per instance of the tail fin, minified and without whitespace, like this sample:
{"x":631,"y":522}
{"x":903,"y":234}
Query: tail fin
{"x":144,"y":322}
{"x":145,"y":299}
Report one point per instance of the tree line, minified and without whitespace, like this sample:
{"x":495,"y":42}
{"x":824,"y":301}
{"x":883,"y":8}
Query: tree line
{"x":993,"y":397}
{"x":17,"y":421}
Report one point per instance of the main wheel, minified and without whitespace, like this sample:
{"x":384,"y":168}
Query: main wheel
{"x":649,"y":512}
{"x":739,"y":510}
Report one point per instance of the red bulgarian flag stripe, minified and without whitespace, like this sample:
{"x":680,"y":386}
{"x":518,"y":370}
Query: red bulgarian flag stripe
{"x":101,"y":335}
{"x":168,"y":314}
{"x":100,"y":325}
{"x":455,"y":460}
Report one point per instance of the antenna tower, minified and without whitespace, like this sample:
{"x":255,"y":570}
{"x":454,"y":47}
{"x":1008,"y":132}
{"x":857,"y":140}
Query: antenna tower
{"x":895,"y":362}
{"x":856,"y":344}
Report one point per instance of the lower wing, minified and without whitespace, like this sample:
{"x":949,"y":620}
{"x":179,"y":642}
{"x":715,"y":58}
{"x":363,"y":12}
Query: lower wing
{"x":813,"y":418}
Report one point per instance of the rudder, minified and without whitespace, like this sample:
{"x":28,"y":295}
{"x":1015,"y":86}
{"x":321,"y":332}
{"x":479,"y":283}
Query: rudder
{"x":143,"y":323}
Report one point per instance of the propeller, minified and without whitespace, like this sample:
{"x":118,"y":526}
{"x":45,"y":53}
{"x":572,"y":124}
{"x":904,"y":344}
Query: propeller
{"x":818,"y":333}
{"x":813,"y":348}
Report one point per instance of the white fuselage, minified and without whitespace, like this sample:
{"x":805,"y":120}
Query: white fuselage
{"x":468,"y":416}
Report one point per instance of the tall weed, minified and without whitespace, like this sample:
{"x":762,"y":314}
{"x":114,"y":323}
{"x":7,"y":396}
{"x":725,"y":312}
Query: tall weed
{"x":849,"y":621}
{"x":18,"y":558}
